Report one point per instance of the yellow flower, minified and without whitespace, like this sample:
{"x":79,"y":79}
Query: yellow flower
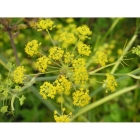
{"x":81,"y":98}
{"x":32,"y":47}
{"x":42,"y":63}
{"x":47,"y":90}
{"x":62,"y":118}
{"x":69,"y":20}
{"x":78,"y":63}
{"x":101,"y":58}
{"x":84,"y":49}
{"x":45,"y":24}
{"x":68,"y":38}
{"x":19,"y":74}
{"x":84,"y":30}
{"x":68,"y":57}
{"x":80,"y":75}
{"x":110,"y":82}
{"x":62,"y":85}
{"x":56,"y":53}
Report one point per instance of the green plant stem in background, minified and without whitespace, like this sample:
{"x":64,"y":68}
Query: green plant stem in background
{"x":94,"y":71}
{"x":103,"y":100}
{"x":110,"y":29}
{"x":124,"y":52}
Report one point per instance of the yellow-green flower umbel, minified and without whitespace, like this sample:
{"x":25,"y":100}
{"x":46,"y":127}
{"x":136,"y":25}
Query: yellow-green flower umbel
{"x":19,"y":74}
{"x":110,"y":82}
{"x":32,"y":47}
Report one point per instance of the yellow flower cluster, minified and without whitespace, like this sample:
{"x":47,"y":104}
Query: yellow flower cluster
{"x":101,"y":58}
{"x":110,"y":82}
{"x":56,"y":53}
{"x":63,"y":85}
{"x":47,"y":90}
{"x":84,"y":30}
{"x":19,"y":74}
{"x":45,"y":24}
{"x":68,"y":57}
{"x":80,"y":75}
{"x":81,"y":98}
{"x":42,"y":63}
{"x":69,"y":20}
{"x":78,"y":63}
{"x":83,"y":49}
{"x":32,"y":47}
{"x":68,"y":38}
{"x":62,"y":118}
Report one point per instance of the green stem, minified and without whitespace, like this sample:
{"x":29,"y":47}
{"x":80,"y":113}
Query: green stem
{"x":93,"y":72}
{"x":124,"y":53}
{"x":110,"y":29}
{"x":75,"y":46}
{"x":50,"y":37}
{"x":105,"y":99}
{"x":104,"y":74}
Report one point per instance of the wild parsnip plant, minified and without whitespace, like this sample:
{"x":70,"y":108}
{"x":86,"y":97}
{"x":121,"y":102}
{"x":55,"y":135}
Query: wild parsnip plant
{"x":68,"y":69}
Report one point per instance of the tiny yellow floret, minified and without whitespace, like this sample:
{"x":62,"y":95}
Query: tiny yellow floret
{"x":110,"y":82}
{"x":42,"y":63}
{"x":63,"y":85}
{"x":62,"y":118}
{"x":80,"y":75}
{"x":67,"y":38}
{"x":84,"y":30}
{"x":101,"y":58}
{"x":78,"y":63}
{"x":47,"y":90}
{"x":19,"y":74}
{"x":32,"y":47}
{"x":81,"y":98}
{"x":68,"y":57}
{"x":56,"y":53}
{"x":45,"y":24}
{"x":83,"y":49}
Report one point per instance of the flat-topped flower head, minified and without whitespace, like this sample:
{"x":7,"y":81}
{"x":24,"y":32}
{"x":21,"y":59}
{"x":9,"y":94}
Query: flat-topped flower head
{"x":63,"y":85}
{"x":81,"y":97}
{"x":67,"y":38}
{"x":80,"y":75}
{"x":84,"y":31}
{"x":78,"y":63}
{"x":42,"y":64}
{"x":45,"y":24}
{"x":62,"y":118}
{"x":110,"y":82}
{"x":32,"y":47}
{"x":18,"y":74}
{"x":83,"y":49}
{"x":47,"y":90}
{"x":56,"y":53}
{"x":68,"y":57}
{"x":100,"y":58}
